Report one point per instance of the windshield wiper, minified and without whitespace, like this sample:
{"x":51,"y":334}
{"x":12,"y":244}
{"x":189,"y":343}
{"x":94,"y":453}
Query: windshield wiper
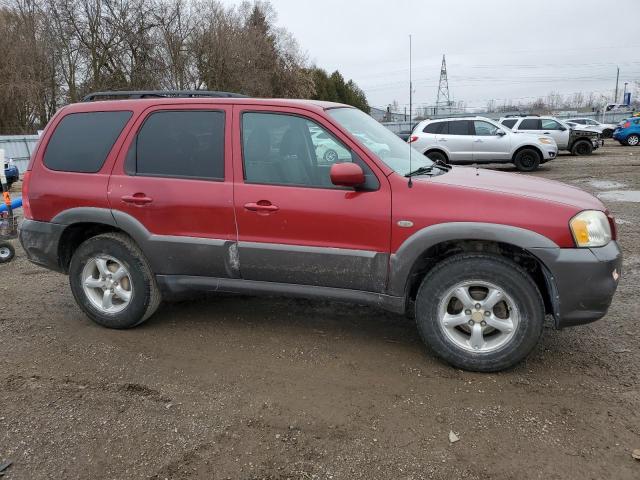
{"x":420,"y":171}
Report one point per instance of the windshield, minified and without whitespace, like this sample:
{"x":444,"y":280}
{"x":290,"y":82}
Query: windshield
{"x":380,"y":140}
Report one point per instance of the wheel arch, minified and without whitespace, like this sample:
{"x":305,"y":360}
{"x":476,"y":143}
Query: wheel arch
{"x":436,"y":149}
{"x":431,"y":245}
{"x":528,"y":147}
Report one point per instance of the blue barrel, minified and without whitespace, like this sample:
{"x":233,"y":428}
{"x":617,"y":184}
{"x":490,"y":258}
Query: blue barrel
{"x":15,"y":203}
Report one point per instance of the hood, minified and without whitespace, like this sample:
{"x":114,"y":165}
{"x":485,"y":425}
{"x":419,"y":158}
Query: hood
{"x":519,"y":185}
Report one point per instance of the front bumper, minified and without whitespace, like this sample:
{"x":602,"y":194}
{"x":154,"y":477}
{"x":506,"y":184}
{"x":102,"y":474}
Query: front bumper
{"x":581,"y":281}
{"x":549,"y":154}
{"x":12,"y":174}
{"x":40,"y":242}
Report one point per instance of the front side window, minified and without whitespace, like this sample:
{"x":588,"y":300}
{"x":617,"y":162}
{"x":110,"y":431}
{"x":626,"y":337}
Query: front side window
{"x":82,"y":141}
{"x":182,"y":144}
{"x":485,"y":129}
{"x":550,"y":125}
{"x":281,"y":149}
{"x":400,"y":156}
{"x":530,"y":124}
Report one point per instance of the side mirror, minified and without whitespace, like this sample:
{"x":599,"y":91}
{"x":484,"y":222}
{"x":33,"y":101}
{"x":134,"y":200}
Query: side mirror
{"x":562,"y":128}
{"x":346,"y":174}
{"x":500,"y":132}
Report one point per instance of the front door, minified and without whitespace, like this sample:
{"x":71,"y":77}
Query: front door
{"x":488,"y":145}
{"x":173,"y":187}
{"x":294,"y":225}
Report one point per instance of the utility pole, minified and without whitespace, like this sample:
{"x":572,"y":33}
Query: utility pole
{"x":410,"y":82}
{"x":615,"y":99}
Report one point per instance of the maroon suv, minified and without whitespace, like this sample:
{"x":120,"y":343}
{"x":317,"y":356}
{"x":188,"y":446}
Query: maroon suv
{"x":155,"y":192}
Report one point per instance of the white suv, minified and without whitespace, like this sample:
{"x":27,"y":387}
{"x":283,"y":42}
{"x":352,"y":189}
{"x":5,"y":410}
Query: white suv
{"x":578,"y":141}
{"x":481,"y":140}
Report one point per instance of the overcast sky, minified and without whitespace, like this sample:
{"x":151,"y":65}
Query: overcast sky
{"x":495,"y":49}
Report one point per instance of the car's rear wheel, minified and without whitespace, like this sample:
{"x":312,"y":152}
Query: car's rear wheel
{"x":7,"y":252}
{"x":633,"y":140}
{"x":437,"y":156}
{"x":112,"y":282}
{"x":582,"y":147}
{"x":479,"y":312}
{"x":527,"y":160}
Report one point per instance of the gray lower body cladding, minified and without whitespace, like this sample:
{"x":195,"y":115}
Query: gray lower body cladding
{"x":582,"y":281}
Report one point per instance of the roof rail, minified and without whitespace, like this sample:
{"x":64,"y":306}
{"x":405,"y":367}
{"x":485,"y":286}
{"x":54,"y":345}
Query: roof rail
{"x":518,"y":115}
{"x":137,"y":94}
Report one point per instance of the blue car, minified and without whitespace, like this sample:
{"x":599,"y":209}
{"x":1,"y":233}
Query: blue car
{"x":11,"y":172}
{"x":628,"y":132}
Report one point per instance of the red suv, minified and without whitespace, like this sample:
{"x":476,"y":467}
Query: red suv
{"x":156,"y":192}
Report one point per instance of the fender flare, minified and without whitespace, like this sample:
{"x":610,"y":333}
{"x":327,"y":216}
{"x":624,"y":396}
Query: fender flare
{"x":403,"y":260}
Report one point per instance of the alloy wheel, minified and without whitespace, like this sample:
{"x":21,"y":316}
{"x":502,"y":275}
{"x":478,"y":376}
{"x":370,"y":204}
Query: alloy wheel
{"x":107,"y":284}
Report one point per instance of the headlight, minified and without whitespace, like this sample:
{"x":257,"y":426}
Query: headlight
{"x":590,"y":229}
{"x":546,"y":140}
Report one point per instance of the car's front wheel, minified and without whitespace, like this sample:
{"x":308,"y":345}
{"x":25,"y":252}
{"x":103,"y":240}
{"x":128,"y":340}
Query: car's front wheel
{"x":527,"y":160}
{"x":112,"y":282}
{"x":633,"y":140}
{"x":479,"y":312}
{"x":582,"y":147}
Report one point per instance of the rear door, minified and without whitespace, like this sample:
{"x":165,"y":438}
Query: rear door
{"x":457,"y":138}
{"x":294,"y":225}
{"x":559,"y":133}
{"x":487,"y":144}
{"x":173,"y":185}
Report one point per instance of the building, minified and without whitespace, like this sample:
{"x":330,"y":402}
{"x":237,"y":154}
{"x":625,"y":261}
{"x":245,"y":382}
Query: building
{"x":19,"y":149}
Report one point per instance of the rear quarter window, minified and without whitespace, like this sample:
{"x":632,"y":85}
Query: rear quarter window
{"x":82,"y":141}
{"x":435,"y":127}
{"x":509,"y":123}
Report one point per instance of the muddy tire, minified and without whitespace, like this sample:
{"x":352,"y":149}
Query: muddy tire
{"x":479,"y":312}
{"x":582,"y":147}
{"x":435,"y":156}
{"x":607,"y":133}
{"x":527,"y":160}
{"x":112,"y":282}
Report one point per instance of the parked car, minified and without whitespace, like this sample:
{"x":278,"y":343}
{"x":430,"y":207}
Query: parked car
{"x":628,"y":132}
{"x":480,"y":140}
{"x":605,"y":129}
{"x":140,"y":197}
{"x":11,"y":172}
{"x":327,"y":150}
{"x":577,"y":141}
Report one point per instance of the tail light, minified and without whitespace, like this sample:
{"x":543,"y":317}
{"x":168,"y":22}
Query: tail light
{"x":26,"y":206}
{"x":626,"y":124}
{"x":412,"y":139}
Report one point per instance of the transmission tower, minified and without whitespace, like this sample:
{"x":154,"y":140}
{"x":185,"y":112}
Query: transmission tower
{"x":443,"y":100}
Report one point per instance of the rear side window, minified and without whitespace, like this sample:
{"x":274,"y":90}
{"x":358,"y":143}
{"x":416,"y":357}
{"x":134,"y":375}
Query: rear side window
{"x":183,"y":144}
{"x":509,"y":123}
{"x":459,"y":127}
{"x":82,"y":141}
{"x":435,"y":127}
{"x":530,"y":124}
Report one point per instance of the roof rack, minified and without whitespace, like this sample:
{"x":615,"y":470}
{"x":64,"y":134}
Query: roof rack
{"x":137,"y":94}
{"x":518,"y":115}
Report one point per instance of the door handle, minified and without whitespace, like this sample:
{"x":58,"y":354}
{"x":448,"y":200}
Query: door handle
{"x":139,"y":199}
{"x":264,"y":206}
{"x":442,"y":139}
{"x":479,"y":140}
{"x":547,"y":133}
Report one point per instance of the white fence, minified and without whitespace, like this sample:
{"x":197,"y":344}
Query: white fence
{"x":19,"y":149}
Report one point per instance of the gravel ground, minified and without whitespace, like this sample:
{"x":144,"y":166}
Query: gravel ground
{"x":261,"y":388}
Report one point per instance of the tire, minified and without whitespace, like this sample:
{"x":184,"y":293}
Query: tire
{"x":7,"y":252}
{"x":502,"y":275}
{"x":633,"y":140}
{"x":527,"y":160}
{"x":330,"y":156}
{"x":607,"y":133}
{"x":116,"y":250}
{"x":582,"y":147}
{"x":435,"y":156}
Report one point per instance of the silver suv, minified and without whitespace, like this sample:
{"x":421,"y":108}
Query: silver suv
{"x":481,"y":140}
{"x":578,"y":141}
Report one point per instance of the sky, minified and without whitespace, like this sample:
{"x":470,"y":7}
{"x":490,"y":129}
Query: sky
{"x":495,"y":49}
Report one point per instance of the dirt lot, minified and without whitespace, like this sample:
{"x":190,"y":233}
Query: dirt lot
{"x":259,"y":388}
